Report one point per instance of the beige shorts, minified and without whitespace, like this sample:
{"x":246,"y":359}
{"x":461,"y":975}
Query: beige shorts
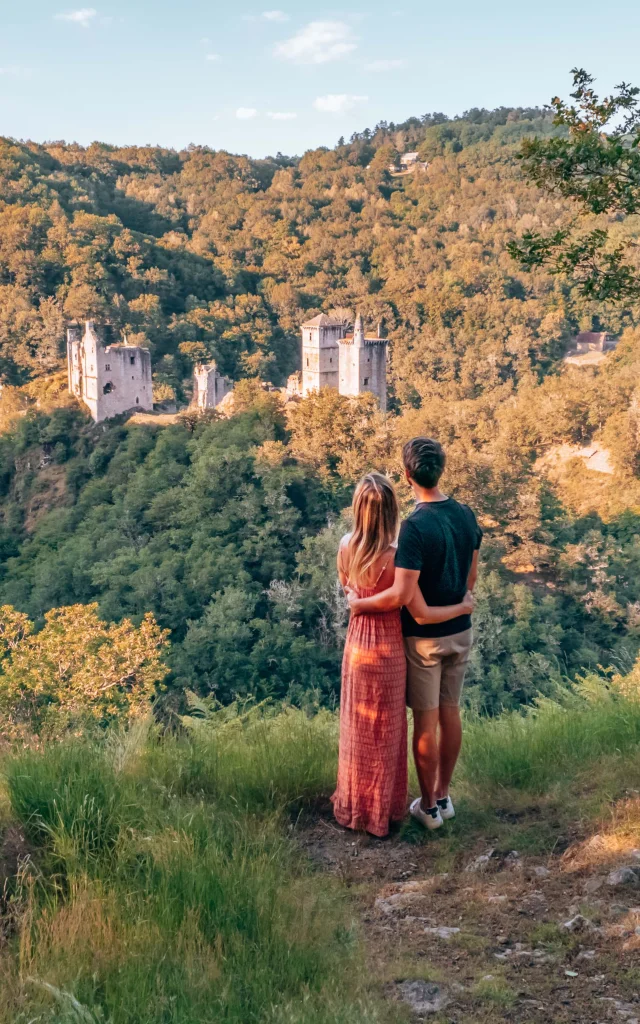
{"x":435,"y":669}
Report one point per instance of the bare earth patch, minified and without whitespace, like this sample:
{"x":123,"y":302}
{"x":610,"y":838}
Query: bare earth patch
{"x":458,"y":932}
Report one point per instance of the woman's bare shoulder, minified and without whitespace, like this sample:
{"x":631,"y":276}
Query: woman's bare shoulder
{"x":345,"y":540}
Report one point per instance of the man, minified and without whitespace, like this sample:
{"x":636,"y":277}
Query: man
{"x":438,"y":551}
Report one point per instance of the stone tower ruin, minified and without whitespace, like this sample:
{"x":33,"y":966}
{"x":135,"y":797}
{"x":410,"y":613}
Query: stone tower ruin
{"x":363,"y":364}
{"x":320,"y":352}
{"x":334,"y":358}
{"x":108,"y":376}
{"x":209,"y":386}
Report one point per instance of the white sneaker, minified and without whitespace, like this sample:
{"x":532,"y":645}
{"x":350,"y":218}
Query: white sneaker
{"x":446,"y":808}
{"x":431,"y":819}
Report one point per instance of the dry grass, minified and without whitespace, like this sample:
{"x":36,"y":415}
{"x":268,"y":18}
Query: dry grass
{"x":154,"y":419}
{"x":617,"y":837}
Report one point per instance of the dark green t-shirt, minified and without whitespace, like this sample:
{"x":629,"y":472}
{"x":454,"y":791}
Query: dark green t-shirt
{"x":439,"y":540}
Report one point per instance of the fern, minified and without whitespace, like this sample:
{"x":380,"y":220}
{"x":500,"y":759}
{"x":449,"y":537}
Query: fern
{"x":208,"y":713}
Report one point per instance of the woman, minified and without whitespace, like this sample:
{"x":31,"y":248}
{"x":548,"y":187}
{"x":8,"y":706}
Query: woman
{"x":372,"y":768}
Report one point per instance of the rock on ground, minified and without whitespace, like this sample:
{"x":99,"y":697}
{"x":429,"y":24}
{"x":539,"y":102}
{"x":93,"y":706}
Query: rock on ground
{"x":423,"y":996}
{"x":624,"y":876}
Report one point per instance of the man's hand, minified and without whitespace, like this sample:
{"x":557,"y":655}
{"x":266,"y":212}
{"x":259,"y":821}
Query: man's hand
{"x":354,"y":601}
{"x":468,"y":603}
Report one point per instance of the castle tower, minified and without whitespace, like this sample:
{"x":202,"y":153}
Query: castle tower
{"x":363,"y":364}
{"x":74,"y":363}
{"x":209,"y":386}
{"x":320,"y":352}
{"x":108,"y":376}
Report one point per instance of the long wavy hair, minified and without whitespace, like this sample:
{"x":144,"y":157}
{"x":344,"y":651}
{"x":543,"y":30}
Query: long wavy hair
{"x":375,"y":524}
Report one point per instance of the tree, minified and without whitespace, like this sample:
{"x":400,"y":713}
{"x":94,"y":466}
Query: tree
{"x":337,"y":435}
{"x":77,"y":668}
{"x":596,"y":163}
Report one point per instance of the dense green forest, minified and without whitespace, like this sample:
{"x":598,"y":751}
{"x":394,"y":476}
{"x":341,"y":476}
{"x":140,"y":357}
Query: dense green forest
{"x":227,"y":529}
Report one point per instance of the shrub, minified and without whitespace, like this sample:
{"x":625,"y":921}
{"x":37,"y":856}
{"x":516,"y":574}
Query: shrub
{"x":76,"y":668}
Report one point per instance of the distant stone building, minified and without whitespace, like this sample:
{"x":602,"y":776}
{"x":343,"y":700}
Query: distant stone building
{"x":209,"y":386}
{"x":590,"y":348}
{"x":409,"y":162}
{"x":294,"y":385}
{"x":349,"y":362}
{"x":592,"y":341}
{"x":108,"y":376}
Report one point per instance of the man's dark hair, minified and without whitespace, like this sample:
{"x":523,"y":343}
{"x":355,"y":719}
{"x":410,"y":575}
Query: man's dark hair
{"x":424,"y":460}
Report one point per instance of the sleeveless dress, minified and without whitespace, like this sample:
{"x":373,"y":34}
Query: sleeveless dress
{"x":372,"y":766}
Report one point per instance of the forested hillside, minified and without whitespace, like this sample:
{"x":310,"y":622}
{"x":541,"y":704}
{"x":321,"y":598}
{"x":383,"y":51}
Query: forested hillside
{"x":201,"y":252}
{"x":226,"y":529}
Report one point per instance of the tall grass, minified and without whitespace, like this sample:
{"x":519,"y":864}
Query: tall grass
{"x":169,"y":891}
{"x":553,"y":741}
{"x":263,"y":760}
{"x":167,"y":888}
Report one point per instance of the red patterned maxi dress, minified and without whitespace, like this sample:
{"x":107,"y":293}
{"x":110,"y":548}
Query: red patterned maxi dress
{"x":372,"y":766}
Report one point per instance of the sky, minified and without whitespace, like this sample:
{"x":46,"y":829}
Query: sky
{"x":258,"y":79}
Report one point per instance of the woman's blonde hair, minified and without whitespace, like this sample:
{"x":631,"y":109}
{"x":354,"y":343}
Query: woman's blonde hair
{"x":375,"y":524}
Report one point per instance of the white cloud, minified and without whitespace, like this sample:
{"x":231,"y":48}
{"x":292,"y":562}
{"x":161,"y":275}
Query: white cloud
{"x":339,"y":103}
{"x":212,"y":56}
{"x":14,"y":71}
{"x":317,"y":43}
{"x":82,"y":17}
{"x":266,"y":16}
{"x":246,"y":113}
{"x":384,"y":65}
{"x":281,"y":115}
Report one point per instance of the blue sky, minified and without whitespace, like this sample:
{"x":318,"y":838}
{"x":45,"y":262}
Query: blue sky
{"x":267,"y":76}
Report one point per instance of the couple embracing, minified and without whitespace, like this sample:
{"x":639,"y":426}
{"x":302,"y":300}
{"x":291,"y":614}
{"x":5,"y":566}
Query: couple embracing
{"x":408,"y":642}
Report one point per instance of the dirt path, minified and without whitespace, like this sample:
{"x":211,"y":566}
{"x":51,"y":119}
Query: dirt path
{"x":463,"y":932}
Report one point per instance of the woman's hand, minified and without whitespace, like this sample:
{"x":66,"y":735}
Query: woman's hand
{"x":353,"y":599}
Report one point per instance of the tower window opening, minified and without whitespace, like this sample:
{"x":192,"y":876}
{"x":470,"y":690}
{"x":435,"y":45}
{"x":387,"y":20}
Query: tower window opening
{"x":108,"y":388}
{"x":137,"y":400}
{"x":366,"y":381}
{"x":307,"y":360}
{"x":132,"y":360}
{"x":107,"y":366}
